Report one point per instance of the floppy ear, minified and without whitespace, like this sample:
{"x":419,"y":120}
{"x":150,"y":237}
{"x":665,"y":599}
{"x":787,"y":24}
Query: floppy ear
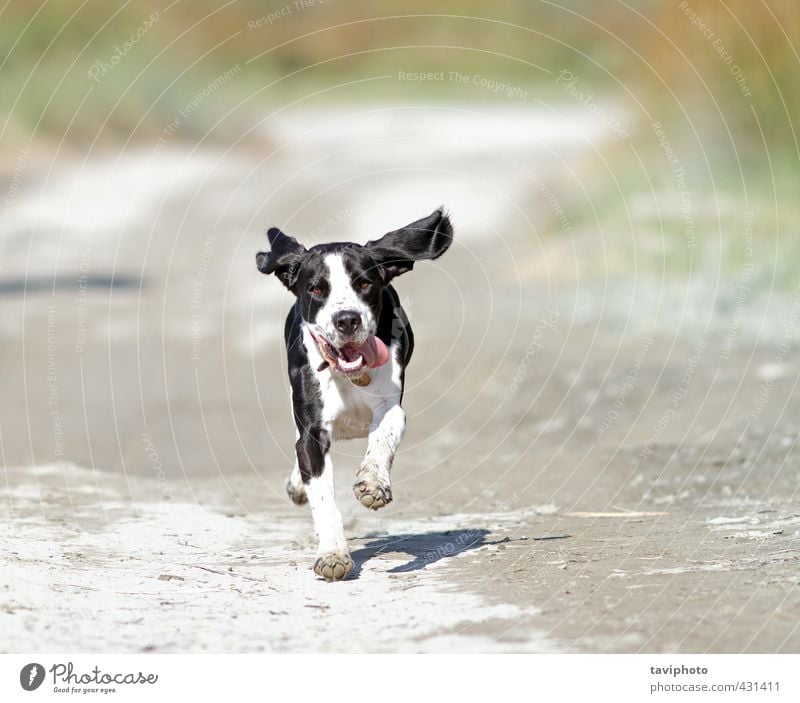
{"x":283,"y":258}
{"x":427,"y":238}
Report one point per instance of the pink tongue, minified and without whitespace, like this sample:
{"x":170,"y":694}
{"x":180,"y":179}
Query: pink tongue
{"x":374,"y":352}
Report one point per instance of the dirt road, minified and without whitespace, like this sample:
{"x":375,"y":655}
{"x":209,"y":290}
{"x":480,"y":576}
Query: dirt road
{"x":581,"y":472}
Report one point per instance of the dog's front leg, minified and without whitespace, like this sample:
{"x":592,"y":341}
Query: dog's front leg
{"x":333,"y":561}
{"x":373,"y":487}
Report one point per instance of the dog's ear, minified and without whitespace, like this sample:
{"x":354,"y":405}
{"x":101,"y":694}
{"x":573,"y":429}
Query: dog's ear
{"x":427,"y":238}
{"x":283,"y":259}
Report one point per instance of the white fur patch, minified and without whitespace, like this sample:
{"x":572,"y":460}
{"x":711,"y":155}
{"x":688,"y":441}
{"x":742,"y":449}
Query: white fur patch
{"x":343,"y":297}
{"x":327,"y":518}
{"x":385,"y":435}
{"x":350,"y":410}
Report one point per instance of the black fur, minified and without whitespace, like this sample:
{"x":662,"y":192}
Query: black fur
{"x":283,"y":258}
{"x":427,"y":238}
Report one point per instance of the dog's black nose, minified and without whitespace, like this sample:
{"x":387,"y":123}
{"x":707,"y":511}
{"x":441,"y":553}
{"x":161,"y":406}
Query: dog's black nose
{"x":347,"y":322}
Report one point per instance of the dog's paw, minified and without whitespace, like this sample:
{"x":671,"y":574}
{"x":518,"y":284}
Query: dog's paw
{"x":333,"y":566}
{"x":372,"y":491}
{"x":296,"y":493}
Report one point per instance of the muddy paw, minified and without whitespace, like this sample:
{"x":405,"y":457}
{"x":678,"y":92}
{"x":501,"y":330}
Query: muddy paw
{"x":333,"y":566}
{"x":298,"y":495}
{"x":371,"y":491}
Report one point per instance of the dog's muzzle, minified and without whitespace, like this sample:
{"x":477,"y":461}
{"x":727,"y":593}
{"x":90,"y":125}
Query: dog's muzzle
{"x":351,"y":359}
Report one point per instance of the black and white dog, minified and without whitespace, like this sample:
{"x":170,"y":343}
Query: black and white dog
{"x":348,"y":343}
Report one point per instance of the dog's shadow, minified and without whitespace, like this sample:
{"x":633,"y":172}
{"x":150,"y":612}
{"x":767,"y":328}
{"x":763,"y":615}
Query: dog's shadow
{"x":424,"y":548}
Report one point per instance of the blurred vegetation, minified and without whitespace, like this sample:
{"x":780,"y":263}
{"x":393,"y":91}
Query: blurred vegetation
{"x":647,"y":50}
{"x":670,"y":61}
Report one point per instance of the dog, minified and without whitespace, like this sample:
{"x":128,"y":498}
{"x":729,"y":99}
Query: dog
{"x":348,"y":342}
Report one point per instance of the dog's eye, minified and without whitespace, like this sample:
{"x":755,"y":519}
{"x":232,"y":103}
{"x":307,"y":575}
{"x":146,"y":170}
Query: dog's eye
{"x":364,"y":285}
{"x":318,"y":291}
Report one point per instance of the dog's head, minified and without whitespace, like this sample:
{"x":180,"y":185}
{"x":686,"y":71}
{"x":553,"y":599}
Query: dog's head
{"x":339,"y":286}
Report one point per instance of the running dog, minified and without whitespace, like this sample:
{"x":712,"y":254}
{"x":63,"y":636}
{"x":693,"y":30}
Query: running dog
{"x":348,"y":343}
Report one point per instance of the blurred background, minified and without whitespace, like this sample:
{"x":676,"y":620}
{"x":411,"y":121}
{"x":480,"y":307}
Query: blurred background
{"x":629,"y":169}
{"x":634,"y":167}
{"x":616,"y":323}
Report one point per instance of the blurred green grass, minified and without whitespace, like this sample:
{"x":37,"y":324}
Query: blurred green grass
{"x":649,"y":48}
{"x":651,"y":57}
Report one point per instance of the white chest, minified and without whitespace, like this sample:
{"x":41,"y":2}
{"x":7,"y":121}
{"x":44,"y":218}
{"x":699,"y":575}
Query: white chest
{"x":350,"y":409}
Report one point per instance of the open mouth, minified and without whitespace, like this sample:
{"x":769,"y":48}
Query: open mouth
{"x":351,"y":359}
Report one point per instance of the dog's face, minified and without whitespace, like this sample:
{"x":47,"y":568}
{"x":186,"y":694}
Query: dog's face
{"x":339,"y":289}
{"x":339,"y":286}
